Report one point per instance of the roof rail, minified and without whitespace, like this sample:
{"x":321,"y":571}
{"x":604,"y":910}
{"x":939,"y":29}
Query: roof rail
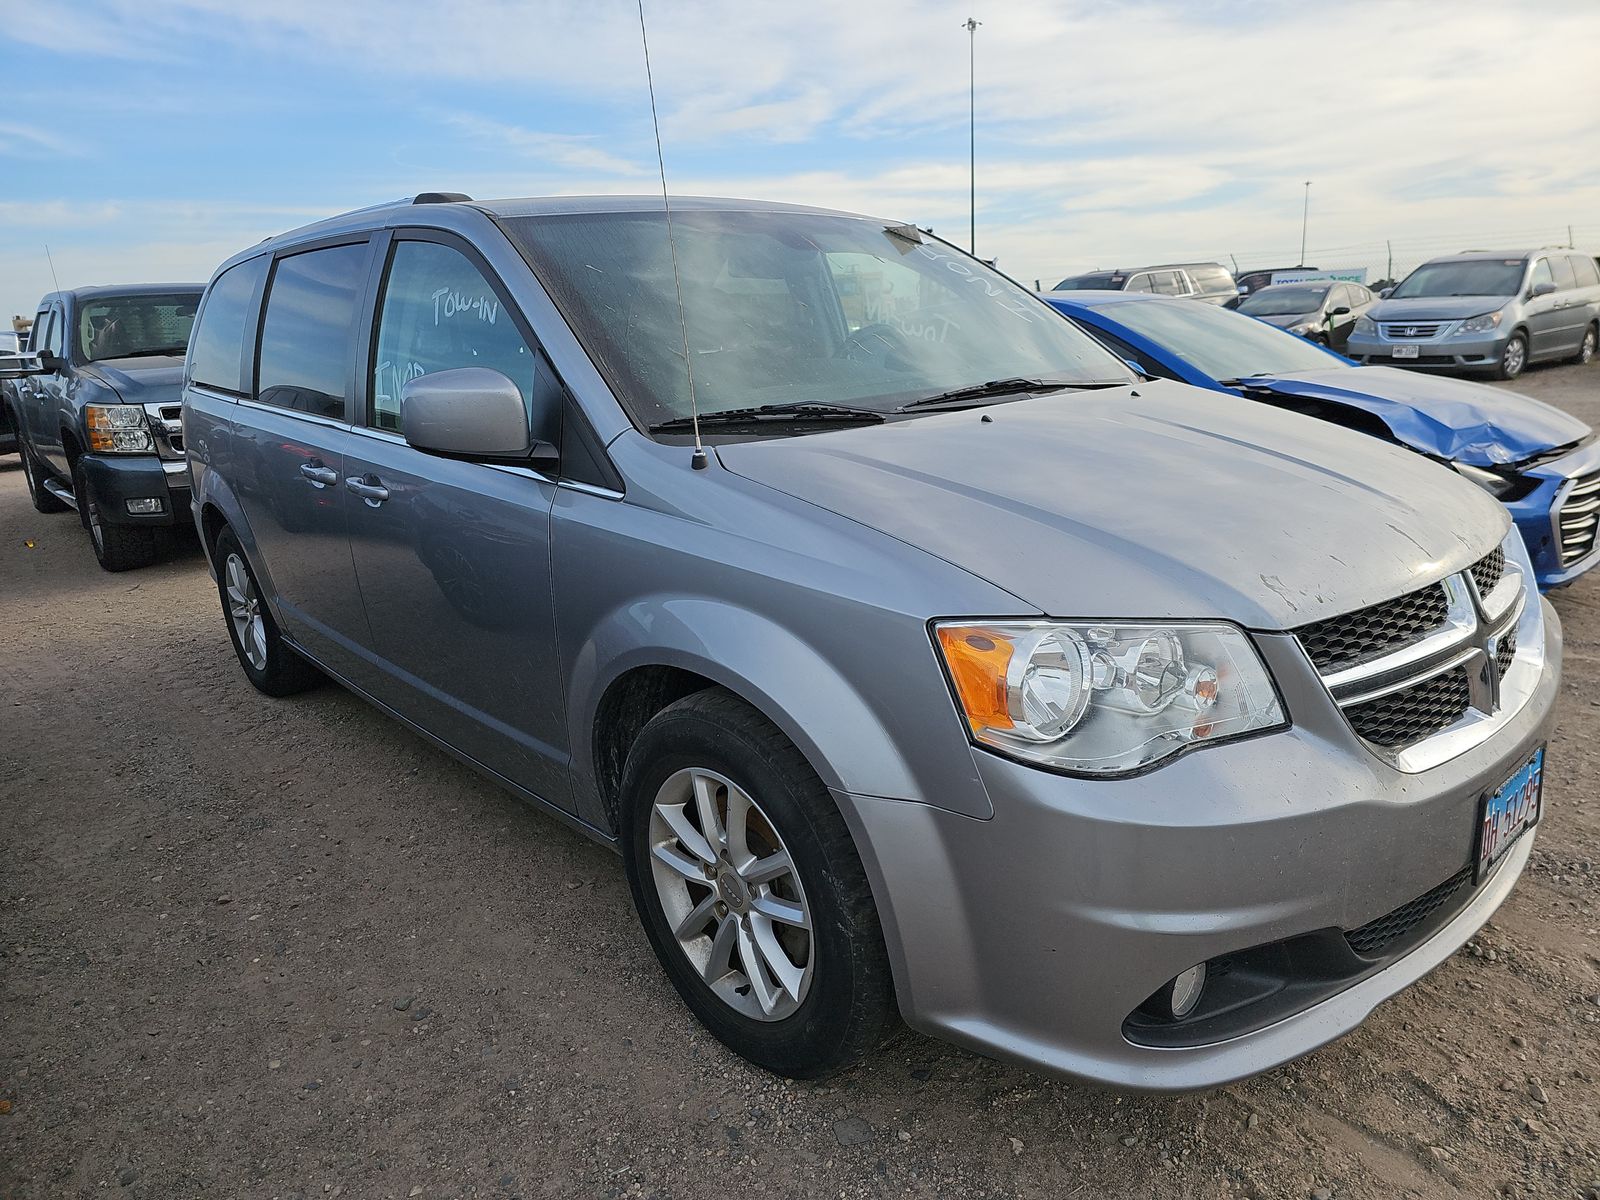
{"x":440,"y":198}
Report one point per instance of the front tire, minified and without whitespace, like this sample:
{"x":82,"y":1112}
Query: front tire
{"x":1514,"y":358}
{"x":268,"y":662}
{"x":116,"y":547}
{"x":751,"y":891}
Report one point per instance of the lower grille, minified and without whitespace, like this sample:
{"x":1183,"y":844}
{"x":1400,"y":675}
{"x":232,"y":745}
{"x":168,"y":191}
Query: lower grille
{"x":1413,"y":713}
{"x":1373,"y":938}
{"x":1579,"y":518}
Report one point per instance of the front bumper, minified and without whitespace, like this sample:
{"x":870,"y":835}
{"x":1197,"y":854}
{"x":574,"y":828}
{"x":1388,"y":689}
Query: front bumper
{"x":1538,"y":516}
{"x":113,"y":480}
{"x":1469,"y":353}
{"x":1034,"y":935}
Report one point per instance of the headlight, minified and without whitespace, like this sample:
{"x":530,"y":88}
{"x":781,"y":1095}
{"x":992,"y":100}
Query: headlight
{"x":1303,"y":328}
{"x":1365,"y":324}
{"x":1501,"y":487}
{"x":1487,"y":323}
{"x":1105,"y":698}
{"x":118,"y":429}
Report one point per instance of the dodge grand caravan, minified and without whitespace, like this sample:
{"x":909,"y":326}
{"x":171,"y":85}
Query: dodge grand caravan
{"x":1084,"y":720}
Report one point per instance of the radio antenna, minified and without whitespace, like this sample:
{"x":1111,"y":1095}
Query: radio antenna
{"x":52,"y":263}
{"x":698,"y":462}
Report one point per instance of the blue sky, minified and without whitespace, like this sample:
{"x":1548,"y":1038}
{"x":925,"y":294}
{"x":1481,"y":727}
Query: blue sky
{"x":149,"y":141}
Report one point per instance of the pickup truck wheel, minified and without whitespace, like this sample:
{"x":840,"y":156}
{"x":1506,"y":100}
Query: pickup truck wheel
{"x":43,"y":501}
{"x":751,"y":891}
{"x":268,"y":662}
{"x":116,"y":547}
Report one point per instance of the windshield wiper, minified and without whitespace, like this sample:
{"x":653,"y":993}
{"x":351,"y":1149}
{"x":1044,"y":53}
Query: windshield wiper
{"x":801,"y":412}
{"x":1007,"y":387}
{"x":153,"y":352}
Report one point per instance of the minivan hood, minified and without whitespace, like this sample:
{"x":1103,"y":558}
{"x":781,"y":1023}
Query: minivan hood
{"x":1156,"y":501}
{"x":1457,"y":419}
{"x":1436,"y":308}
{"x":157,"y":379}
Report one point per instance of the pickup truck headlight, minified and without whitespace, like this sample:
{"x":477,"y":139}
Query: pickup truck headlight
{"x":1487,"y":323}
{"x":1105,"y":698}
{"x":1365,"y":324}
{"x":118,"y":429}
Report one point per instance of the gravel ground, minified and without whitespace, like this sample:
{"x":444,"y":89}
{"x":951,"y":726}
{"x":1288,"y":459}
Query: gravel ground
{"x":284,"y":949}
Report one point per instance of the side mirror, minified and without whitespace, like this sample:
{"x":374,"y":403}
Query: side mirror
{"x":24,"y":366}
{"x":1542,"y":288}
{"x":1340,"y":311}
{"x":472,"y":413}
{"x":1384,"y":294}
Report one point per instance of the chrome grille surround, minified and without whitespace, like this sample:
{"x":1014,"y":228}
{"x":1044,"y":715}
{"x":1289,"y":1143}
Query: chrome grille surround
{"x":1436,"y":695}
{"x":1408,"y":331}
{"x":166,"y":427}
{"x":1577,"y":518}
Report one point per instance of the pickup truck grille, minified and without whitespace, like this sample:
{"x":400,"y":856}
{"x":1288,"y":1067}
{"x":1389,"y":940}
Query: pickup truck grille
{"x":1408,"y":669}
{"x":1578,"y":518}
{"x":166,"y":426}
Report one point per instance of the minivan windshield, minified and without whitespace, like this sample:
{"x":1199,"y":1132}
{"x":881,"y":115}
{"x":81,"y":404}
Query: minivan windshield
{"x":136,"y":326}
{"x":1220,"y":343}
{"x":787,"y":308}
{"x":1472,"y":277}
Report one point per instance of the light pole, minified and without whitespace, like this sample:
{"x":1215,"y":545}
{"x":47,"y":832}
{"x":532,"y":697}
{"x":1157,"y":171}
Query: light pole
{"x":1305,"y":216}
{"x":971,"y":26}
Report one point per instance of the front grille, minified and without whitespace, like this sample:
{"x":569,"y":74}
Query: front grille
{"x":1578,"y":518}
{"x":1337,"y":642}
{"x":1411,"y":330}
{"x":1412,"y":713}
{"x":1487,"y":570}
{"x":1373,"y":938}
{"x":1505,"y":650}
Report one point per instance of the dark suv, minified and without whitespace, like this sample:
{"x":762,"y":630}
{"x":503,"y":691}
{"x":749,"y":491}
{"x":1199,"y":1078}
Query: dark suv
{"x":96,"y":403}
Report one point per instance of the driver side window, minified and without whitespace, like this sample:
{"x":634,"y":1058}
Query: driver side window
{"x":1541,"y":273}
{"x":439,"y":313}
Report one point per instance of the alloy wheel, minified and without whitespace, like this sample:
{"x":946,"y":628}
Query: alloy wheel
{"x":730,"y":894}
{"x":1586,"y":351}
{"x":1515,"y":357}
{"x":244,"y":610}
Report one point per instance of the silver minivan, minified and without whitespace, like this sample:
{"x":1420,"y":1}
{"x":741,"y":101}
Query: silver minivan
{"x":915,"y":656}
{"x":1483,"y":311}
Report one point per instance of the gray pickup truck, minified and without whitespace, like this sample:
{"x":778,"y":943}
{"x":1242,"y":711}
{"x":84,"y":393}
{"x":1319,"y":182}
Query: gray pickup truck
{"x":95,"y":403}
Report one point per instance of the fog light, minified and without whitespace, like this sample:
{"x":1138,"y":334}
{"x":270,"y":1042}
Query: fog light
{"x":1183,"y":993}
{"x":150,"y":504}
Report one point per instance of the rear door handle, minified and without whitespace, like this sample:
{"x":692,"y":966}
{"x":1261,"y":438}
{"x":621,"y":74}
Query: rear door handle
{"x":319,"y":475}
{"x":369,"y":487}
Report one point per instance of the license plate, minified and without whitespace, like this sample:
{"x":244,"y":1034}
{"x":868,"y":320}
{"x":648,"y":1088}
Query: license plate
{"x":1406,"y":351}
{"x":1509,"y":811}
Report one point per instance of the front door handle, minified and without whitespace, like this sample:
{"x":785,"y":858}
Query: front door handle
{"x":369,"y":487}
{"x":319,"y":475}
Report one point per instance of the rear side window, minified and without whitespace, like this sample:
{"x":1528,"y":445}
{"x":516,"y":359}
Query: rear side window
{"x":1168,"y":283}
{"x":1586,"y":271}
{"x":307,"y":332}
{"x":440,"y":313}
{"x":1561,"y":269}
{"x":1139,"y":283}
{"x":216,"y":348}
{"x":1211,"y":279}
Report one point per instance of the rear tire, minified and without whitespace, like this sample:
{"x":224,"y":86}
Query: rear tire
{"x":268,"y":662}
{"x":1591,"y":339}
{"x":43,"y":500}
{"x":116,"y":547}
{"x":1514,"y":358}
{"x":803,"y":1001}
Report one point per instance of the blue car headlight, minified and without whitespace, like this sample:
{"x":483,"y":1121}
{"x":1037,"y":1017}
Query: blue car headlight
{"x":1365,"y":324}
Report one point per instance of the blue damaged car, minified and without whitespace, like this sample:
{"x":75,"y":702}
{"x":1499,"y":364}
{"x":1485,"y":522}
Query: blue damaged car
{"x":1541,"y":463}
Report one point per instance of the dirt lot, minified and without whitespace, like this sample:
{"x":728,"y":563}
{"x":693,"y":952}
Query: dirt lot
{"x":284,"y":949}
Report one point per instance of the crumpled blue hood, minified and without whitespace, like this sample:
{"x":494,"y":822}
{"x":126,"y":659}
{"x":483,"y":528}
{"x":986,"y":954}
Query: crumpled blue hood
{"x":1455,"y":419}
